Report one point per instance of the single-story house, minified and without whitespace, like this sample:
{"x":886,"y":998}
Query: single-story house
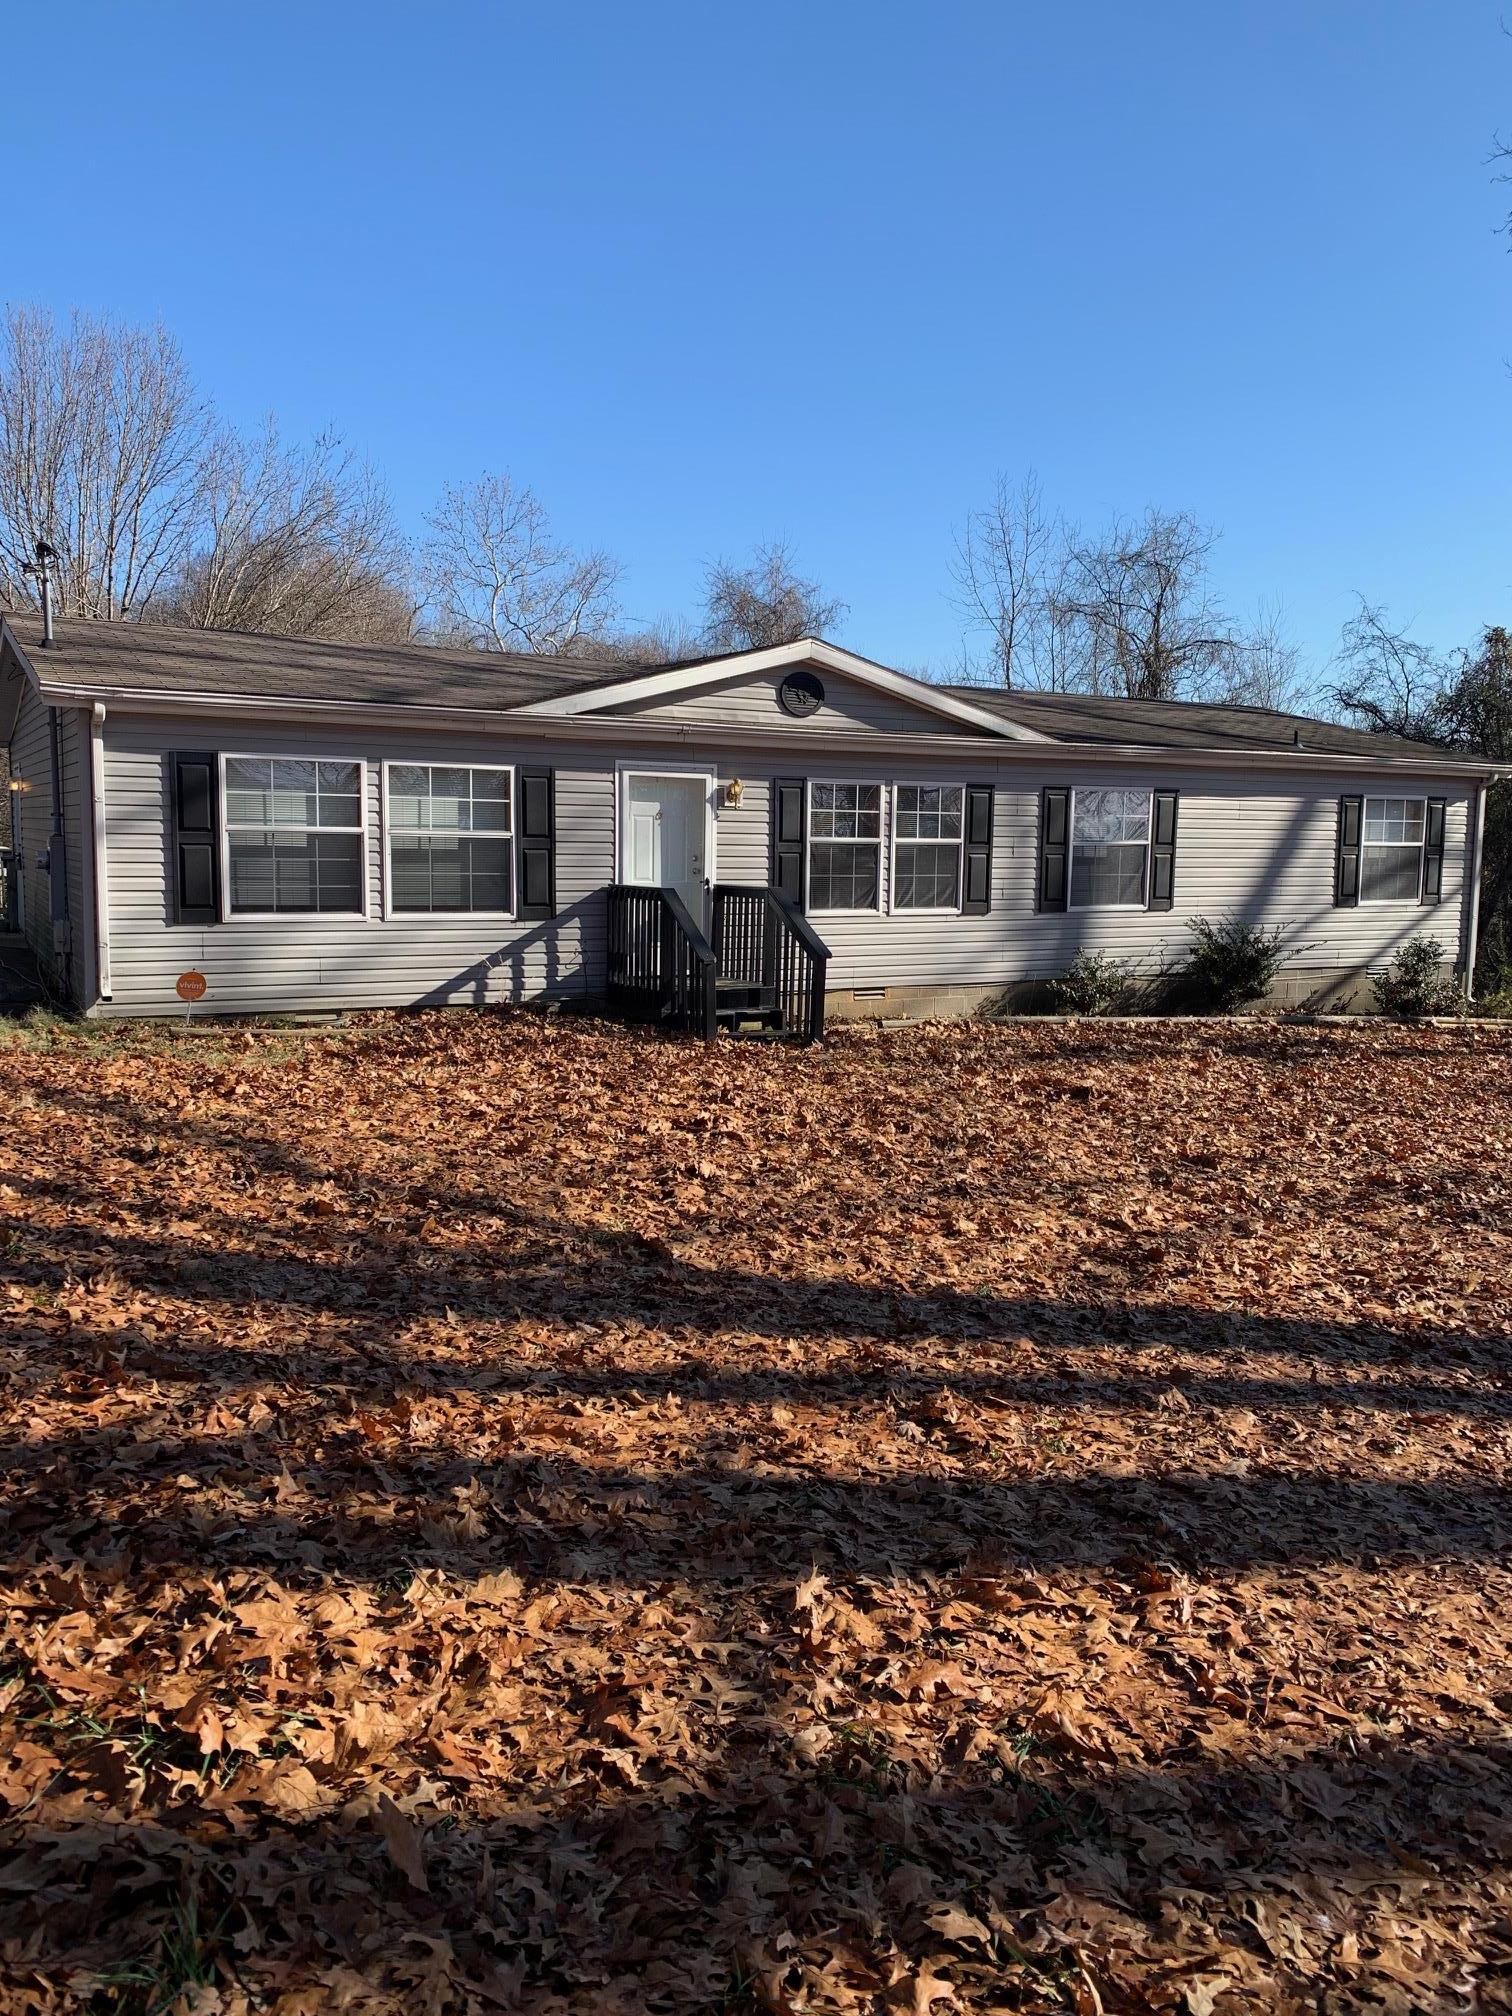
{"x":314,"y":825}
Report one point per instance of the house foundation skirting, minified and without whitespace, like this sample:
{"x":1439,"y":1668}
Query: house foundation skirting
{"x":1332,"y":989}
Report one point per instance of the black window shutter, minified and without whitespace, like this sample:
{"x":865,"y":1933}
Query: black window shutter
{"x":1055,"y":813}
{"x":1347,"y":872}
{"x":1163,"y":852}
{"x":1433,"y":852}
{"x":193,"y":794}
{"x":536,"y":844}
{"x":789,"y":835}
{"x":976,"y":885}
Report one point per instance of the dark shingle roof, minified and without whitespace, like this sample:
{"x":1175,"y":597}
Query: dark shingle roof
{"x":1184,"y":724}
{"x":156,"y":658}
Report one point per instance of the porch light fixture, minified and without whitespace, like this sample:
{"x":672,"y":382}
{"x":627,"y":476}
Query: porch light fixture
{"x":733,"y":793}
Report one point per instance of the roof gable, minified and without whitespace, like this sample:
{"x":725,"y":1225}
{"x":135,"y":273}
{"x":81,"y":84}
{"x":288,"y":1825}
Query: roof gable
{"x":660,"y":686}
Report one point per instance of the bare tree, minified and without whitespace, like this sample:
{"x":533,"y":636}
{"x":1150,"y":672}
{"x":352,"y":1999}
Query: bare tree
{"x":667,"y":640}
{"x":1140,"y":616}
{"x":1385,"y":678}
{"x":768,"y":602}
{"x":1263,"y":669}
{"x":101,"y":439}
{"x":1004,"y":562}
{"x":494,"y":575}
{"x":298,"y":541}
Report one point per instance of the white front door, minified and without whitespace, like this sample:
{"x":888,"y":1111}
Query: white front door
{"x":666,"y":836}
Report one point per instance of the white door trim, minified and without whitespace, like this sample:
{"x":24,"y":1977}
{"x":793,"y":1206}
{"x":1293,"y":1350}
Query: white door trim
{"x":624,"y":772}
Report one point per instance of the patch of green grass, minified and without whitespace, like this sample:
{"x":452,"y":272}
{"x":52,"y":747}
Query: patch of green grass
{"x":738,"y":1996}
{"x":185,"y":1956}
{"x":37,"y":1029}
{"x":1057,"y":1818}
{"x":860,"y":1758}
{"x":248,"y":1043}
{"x":144,"y":1744}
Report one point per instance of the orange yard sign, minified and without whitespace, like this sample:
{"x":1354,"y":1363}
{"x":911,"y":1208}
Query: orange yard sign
{"x":190,"y":986}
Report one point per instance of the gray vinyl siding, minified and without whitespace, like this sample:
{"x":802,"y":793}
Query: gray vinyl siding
{"x":752,"y":703}
{"x":73,"y":741}
{"x":1260,"y":846}
{"x":270,"y":965}
{"x":1261,"y":851}
{"x":63,"y":961}
{"x":31,"y":765}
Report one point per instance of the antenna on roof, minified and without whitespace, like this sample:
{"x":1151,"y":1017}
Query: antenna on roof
{"x":41,"y":569}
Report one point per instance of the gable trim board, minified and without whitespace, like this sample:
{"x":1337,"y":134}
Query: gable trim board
{"x":677,"y":680}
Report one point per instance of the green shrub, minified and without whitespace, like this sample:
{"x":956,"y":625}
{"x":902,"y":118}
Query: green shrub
{"x":1093,"y":984}
{"x":1231,"y":964}
{"x":1415,"y":983}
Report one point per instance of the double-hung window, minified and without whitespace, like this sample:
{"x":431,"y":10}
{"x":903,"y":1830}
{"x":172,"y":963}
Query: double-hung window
{"x":928,"y":832}
{"x":845,"y":847}
{"x":295,"y":836}
{"x":451,"y":838}
{"x":1110,"y":849}
{"x":1391,"y":854}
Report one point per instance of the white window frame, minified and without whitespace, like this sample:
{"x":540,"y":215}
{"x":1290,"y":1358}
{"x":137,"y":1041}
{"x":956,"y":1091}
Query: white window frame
{"x":296,"y":917}
{"x":879,"y":909}
{"x":1420,"y":846}
{"x":390,"y":912}
{"x":894,"y":908}
{"x":1144,"y":902}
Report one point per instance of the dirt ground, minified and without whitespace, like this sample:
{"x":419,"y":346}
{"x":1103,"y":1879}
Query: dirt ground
{"x":518,"y":1515}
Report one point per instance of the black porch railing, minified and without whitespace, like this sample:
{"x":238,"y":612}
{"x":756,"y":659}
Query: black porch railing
{"x":661,"y":966}
{"x":764,"y":942}
{"x":766,"y":964}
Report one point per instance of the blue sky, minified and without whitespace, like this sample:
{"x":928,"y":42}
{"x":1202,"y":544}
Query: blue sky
{"x":707,"y":274}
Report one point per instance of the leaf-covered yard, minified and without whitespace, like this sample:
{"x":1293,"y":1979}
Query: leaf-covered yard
{"x":505,"y":1514}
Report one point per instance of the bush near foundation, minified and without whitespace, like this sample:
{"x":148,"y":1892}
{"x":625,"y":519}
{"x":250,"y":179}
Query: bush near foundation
{"x":1415,"y":983}
{"x":1232,"y":964}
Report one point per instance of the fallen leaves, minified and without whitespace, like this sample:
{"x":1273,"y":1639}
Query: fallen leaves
{"x":506,"y":1514}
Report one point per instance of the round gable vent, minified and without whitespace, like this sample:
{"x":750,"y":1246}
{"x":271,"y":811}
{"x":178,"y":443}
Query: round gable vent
{"x":801,"y":693}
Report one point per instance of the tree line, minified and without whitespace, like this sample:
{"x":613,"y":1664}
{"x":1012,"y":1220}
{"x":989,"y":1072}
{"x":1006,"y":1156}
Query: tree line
{"x":157,"y":509}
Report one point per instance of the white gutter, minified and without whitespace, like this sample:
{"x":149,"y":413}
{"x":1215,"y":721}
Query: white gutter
{"x":101,"y":865}
{"x":1472,"y":894}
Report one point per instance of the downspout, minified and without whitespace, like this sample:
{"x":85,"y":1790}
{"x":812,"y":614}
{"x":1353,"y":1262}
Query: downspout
{"x":1472,"y":921}
{"x":101,"y":865}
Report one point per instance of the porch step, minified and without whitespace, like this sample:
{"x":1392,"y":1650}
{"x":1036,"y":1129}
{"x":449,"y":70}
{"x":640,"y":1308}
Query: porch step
{"x":742,"y":1018}
{"x":738,"y":1002}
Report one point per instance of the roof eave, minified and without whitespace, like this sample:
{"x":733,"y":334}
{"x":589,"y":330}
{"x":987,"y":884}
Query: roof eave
{"x":591,"y":728}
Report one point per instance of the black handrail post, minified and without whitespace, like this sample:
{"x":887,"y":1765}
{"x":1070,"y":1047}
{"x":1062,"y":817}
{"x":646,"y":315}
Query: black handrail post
{"x":816,"y":1001}
{"x":710,"y":1004}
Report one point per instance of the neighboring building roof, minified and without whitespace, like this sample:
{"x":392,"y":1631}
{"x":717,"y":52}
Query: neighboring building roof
{"x":1186,"y":724}
{"x":144,"y":659}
